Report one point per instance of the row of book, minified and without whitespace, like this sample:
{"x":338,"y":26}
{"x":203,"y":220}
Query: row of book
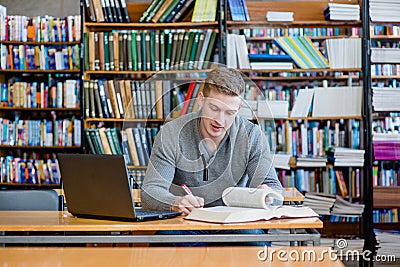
{"x":40,"y":29}
{"x":344,"y":52}
{"x":340,"y":218}
{"x":385,"y":216}
{"x":323,"y":180}
{"x":385,"y":69}
{"x":39,"y":57}
{"x":106,"y":11}
{"x":311,"y":138}
{"x":386,"y":174}
{"x":343,"y":156}
{"x":133,"y":99}
{"x":385,"y":30}
{"x":40,"y":95}
{"x":238,"y":10}
{"x":29,"y":171}
{"x":149,"y":50}
{"x":134,"y":143}
{"x":176,"y":10}
{"x":45,"y":133}
{"x":310,"y":32}
{"x":387,"y":124}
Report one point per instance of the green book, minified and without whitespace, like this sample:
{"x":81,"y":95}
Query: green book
{"x":90,"y":142}
{"x":181,"y":36}
{"x":168,"y":51}
{"x":129,"y":51}
{"x":152,"y":51}
{"x":189,"y":49}
{"x":148,"y":10}
{"x":210,"y":48}
{"x":183,"y":50}
{"x":143,"y":48}
{"x":174,"y":45}
{"x":133,"y":50}
{"x":148,"y":52}
{"x":139,"y":50}
{"x":162,"y":50}
{"x":115,"y":133}
{"x":154,"y":10}
{"x":86,"y":42}
{"x":199,"y":48}
{"x":106,"y":52}
{"x":194,"y":50}
{"x":121,"y":54}
{"x":110,"y":141}
{"x":168,"y":10}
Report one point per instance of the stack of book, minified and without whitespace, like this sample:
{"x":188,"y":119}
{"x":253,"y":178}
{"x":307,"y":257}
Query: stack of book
{"x":266,"y":61}
{"x":385,"y":55}
{"x":343,"y":207}
{"x":238,"y":10}
{"x":302,"y":51}
{"x":388,"y":242}
{"x":279,"y":16}
{"x":335,"y":11}
{"x":343,"y":156}
{"x":344,"y":52}
{"x":321,"y":203}
{"x":311,"y":161}
{"x":106,"y":11}
{"x":385,"y":98}
{"x":384,"y":10}
{"x":386,"y":146}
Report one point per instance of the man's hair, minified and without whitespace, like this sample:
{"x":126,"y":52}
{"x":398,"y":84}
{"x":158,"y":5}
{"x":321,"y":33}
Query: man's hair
{"x":225,"y":81}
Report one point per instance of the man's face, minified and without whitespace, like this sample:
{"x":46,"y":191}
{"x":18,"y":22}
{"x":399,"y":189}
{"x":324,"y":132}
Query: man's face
{"x":218,"y":113}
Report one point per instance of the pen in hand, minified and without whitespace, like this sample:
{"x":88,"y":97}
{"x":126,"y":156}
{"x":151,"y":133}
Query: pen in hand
{"x":196,"y":201}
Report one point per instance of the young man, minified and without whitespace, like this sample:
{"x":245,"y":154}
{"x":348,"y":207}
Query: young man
{"x":208,"y":151}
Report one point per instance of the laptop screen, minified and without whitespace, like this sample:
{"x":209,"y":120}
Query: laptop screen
{"x":96,"y":185}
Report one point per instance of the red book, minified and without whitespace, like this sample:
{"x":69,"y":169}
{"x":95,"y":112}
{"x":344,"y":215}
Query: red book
{"x":189,"y":94}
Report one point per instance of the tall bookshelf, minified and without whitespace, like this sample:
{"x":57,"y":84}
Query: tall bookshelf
{"x":40,"y":98}
{"x":309,"y":21}
{"x":384,"y":36}
{"x":148,"y":74}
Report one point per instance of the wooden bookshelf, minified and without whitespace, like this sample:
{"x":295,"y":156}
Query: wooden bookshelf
{"x":38,"y":109}
{"x":38,"y":43}
{"x":40,"y":71}
{"x":38,"y":147}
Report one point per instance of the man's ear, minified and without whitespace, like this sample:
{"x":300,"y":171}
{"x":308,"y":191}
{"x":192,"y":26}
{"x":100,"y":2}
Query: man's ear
{"x":201,"y":99}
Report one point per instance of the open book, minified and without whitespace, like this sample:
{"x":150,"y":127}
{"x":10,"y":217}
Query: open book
{"x":249,"y":204}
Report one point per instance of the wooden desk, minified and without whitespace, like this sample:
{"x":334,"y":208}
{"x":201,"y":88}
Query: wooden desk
{"x":53,"y":221}
{"x":166,"y":256}
{"x":291,"y":194}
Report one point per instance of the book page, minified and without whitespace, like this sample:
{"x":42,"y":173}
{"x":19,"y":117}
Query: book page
{"x":251,"y":197}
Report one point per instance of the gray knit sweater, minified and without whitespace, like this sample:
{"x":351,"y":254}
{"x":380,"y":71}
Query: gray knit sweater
{"x":242,"y":159}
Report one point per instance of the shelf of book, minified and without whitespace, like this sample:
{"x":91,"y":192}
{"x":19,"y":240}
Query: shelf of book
{"x":142,"y":26}
{"x":39,"y":43}
{"x":302,"y":70}
{"x":39,"y":109}
{"x":27,"y":186}
{"x":145,"y":72}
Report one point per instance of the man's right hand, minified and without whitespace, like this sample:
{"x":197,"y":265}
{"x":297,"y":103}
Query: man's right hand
{"x":187,"y":203}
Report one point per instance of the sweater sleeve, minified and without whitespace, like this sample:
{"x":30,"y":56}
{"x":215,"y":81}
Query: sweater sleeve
{"x":160,"y":172}
{"x":260,"y":166}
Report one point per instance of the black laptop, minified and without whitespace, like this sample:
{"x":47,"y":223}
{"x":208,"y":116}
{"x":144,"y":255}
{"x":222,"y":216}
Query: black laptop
{"x":97,"y":186}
